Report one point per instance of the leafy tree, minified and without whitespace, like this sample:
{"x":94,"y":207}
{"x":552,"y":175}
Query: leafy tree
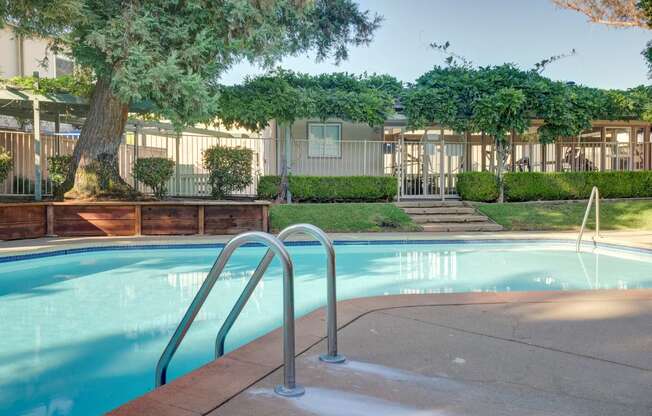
{"x":498,"y":100}
{"x":499,"y":114}
{"x":286,"y":96}
{"x":171,"y":53}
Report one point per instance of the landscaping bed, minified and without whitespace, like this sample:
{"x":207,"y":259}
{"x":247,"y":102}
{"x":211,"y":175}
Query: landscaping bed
{"x":568,"y":215}
{"x":121,"y":218}
{"x":345,"y":217}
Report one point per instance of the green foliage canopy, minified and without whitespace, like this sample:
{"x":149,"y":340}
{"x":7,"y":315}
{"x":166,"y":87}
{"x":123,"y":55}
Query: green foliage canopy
{"x":172,"y":53}
{"x":286,"y":96}
{"x":466,"y":99}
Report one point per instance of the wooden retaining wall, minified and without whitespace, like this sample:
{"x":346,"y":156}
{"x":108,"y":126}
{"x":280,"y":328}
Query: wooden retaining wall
{"x":81,"y":219}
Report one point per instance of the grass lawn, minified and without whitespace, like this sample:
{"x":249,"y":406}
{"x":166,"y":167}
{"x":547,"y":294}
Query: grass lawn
{"x":342,"y":217}
{"x":621,"y":215}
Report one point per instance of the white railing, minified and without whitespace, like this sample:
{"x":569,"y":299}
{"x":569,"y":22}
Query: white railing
{"x":425,"y":169}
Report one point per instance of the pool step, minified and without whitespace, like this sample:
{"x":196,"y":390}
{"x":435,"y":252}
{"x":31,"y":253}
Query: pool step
{"x":430,"y":204}
{"x":447,"y":216}
{"x":460,"y":218}
{"x":461,"y":227}
{"x":439,"y":210}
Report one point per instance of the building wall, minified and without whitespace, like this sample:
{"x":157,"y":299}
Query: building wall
{"x":350,"y":131}
{"x":362,"y":151}
{"x":33,"y":50}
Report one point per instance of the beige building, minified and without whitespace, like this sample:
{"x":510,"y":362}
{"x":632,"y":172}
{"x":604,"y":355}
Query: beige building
{"x":22,"y":56}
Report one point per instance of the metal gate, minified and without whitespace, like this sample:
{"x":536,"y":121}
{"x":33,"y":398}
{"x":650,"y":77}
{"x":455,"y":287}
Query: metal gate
{"x":428,"y":167}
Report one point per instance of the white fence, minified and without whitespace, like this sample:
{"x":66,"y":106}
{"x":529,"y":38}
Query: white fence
{"x":426,"y":168}
{"x":189,"y":179}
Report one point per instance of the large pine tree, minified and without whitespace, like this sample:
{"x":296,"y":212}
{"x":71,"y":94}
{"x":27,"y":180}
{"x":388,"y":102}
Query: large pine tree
{"x":171,"y":53}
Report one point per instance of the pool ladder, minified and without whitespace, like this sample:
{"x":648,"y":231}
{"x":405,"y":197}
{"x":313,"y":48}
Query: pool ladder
{"x":595,"y":194}
{"x":289,"y":388}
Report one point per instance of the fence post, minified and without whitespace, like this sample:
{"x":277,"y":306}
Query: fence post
{"x":37,"y":151}
{"x":364,"y":166}
{"x":603,"y":149}
{"x":288,"y":158}
{"x":442,"y":166}
{"x":136,"y":138}
{"x":177,"y":179}
{"x":632,"y":148}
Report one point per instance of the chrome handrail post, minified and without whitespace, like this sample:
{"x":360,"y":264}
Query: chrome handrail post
{"x":289,"y":388}
{"x":331,"y":356}
{"x":595,"y":193}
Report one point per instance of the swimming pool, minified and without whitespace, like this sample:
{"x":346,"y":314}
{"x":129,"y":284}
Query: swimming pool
{"x":82,"y":331}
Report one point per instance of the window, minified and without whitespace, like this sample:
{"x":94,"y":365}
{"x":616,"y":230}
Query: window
{"x":324,"y":140}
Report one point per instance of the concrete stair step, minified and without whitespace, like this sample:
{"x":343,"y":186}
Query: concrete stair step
{"x":448,"y":218}
{"x":429,"y":204}
{"x":461,"y":227}
{"x":439,"y":210}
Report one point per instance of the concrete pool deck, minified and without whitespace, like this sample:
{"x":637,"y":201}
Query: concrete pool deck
{"x":534,"y":353}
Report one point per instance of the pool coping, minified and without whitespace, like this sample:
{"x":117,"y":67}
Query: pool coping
{"x":108,"y":244}
{"x":205,"y":389}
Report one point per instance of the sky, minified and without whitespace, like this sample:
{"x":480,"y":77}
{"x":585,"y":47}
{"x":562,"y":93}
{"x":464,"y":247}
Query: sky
{"x":487,"y":32}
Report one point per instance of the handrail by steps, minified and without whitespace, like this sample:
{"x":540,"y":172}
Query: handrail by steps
{"x":289,"y":386}
{"x":331,"y":355}
{"x":595,"y":193}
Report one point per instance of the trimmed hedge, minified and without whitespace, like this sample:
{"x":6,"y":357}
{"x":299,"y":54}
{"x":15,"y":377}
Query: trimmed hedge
{"x":539,"y":186}
{"x":477,"y":186}
{"x":332,"y":188}
{"x":532,"y":186}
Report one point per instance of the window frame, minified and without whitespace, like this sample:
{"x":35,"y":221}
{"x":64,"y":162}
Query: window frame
{"x":324,"y":124}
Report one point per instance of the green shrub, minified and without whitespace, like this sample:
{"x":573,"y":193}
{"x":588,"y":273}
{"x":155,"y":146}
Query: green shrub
{"x":154,"y":172}
{"x":533,"y":186}
{"x":230,"y":169}
{"x":6,"y":163}
{"x":332,"y":188}
{"x":58,"y":168}
{"x":477,"y":186}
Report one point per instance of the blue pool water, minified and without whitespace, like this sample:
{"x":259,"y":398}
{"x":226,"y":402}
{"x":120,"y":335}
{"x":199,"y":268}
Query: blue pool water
{"x":81,"y":333}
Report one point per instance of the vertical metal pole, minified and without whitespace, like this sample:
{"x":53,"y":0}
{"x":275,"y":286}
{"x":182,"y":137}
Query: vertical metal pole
{"x":37,"y":151}
{"x":603,"y":149}
{"x":442,"y":176}
{"x":177,"y":179}
{"x":364,"y":168}
{"x":57,"y":130}
{"x":137,"y":132}
{"x":632,"y":148}
{"x":288,"y":158}
{"x":597,"y":213}
{"x":400,"y":168}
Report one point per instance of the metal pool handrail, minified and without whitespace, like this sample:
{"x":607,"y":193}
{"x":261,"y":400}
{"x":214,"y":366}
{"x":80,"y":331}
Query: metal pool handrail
{"x":331,"y":355}
{"x":289,"y":386}
{"x":595,"y":193}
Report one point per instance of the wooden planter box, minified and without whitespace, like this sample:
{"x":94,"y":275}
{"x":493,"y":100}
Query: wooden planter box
{"x":80,"y":219}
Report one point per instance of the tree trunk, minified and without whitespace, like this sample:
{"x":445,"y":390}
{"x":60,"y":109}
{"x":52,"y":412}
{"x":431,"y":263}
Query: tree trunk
{"x":94,"y":170}
{"x":503,"y":154}
{"x":284,"y":194}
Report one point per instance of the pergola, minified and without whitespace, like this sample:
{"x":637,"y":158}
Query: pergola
{"x":67,"y":108}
